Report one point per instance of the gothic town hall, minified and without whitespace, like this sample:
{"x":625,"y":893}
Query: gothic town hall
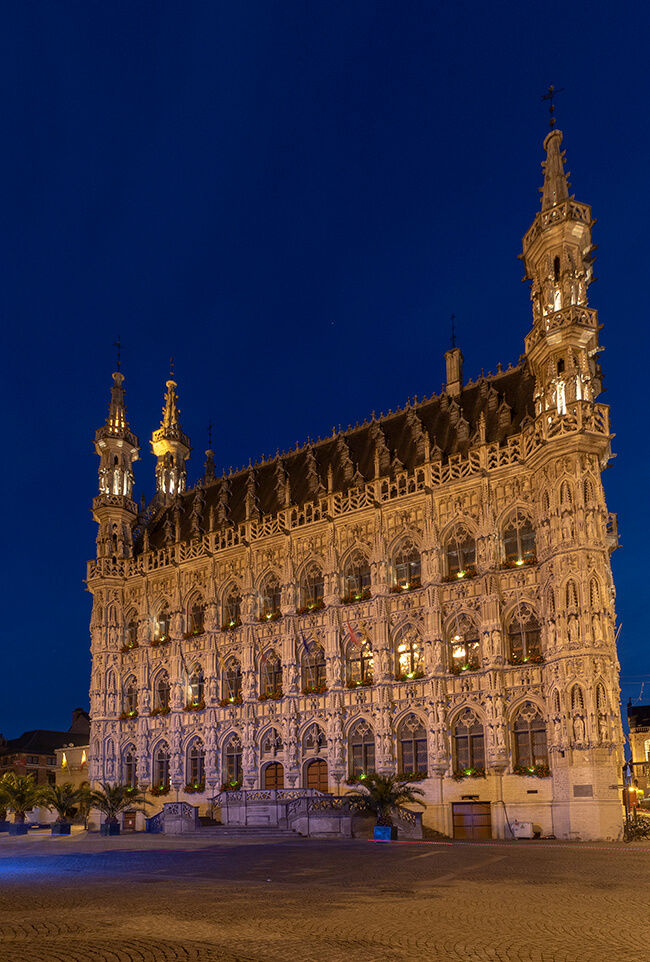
{"x":429,"y":593}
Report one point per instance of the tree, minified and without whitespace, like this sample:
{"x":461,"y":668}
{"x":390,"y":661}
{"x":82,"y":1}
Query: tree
{"x":20,"y":793}
{"x":383,"y":794}
{"x":111,"y":800}
{"x":64,"y":799}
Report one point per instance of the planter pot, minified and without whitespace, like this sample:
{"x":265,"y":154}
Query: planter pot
{"x":385,"y":833}
{"x":18,"y":828}
{"x":4,"y":825}
{"x":106,"y":828}
{"x":61,"y":828}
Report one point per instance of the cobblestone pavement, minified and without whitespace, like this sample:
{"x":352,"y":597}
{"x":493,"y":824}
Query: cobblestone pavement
{"x":151,"y":899}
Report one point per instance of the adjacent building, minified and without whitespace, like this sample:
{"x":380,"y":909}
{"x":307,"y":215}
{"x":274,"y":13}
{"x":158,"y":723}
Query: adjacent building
{"x":427,"y":593}
{"x":35,"y":752}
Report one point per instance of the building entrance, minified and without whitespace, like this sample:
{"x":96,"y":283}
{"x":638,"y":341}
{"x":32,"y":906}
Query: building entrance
{"x":472,"y":820}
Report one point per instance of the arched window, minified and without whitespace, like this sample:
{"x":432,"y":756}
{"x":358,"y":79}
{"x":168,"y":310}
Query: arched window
{"x":132,"y":633}
{"x":271,"y":743}
{"x":412,"y":738}
{"x":232,"y":608}
{"x":270,"y":597}
{"x":161,"y":777}
{"x":571,"y":595}
{"x":356,"y":578}
{"x":530,"y":737}
{"x":409,"y":655}
{"x":271,"y":674}
{"x":601,"y":699}
{"x":196,"y":688}
{"x":314,"y":740}
{"x":460,"y":553}
{"x":314,"y":669}
{"x":232,"y":759}
{"x":469,"y":742}
{"x":196,"y":616}
{"x":519,"y":541}
{"x":131,"y":697}
{"x":312,"y":587}
{"x":360,"y":664}
{"x":274,"y":776}
{"x":407,"y":568}
{"x":557,"y":708}
{"x":130,"y":778}
{"x":594,"y":594}
{"x":550,"y":603}
{"x":196,"y":764}
{"x":566,"y":498}
{"x":577,"y":699}
{"x":588,"y":490}
{"x":161,"y":692}
{"x":162,"y":624}
{"x":232,"y":679}
{"x":524,"y":636}
{"x":362,"y":749}
{"x":464,"y":646}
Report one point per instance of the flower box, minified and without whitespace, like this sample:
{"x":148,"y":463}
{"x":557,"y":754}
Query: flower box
{"x":163,"y":640}
{"x":235,"y":700}
{"x":273,"y":695}
{"x":128,"y":715}
{"x":160,"y":790}
{"x":412,"y":776}
{"x":367,"y":683}
{"x":520,"y":564}
{"x":160,"y":711}
{"x":461,"y":669}
{"x":462,"y":773}
{"x":308,"y":609}
{"x":527,"y":660}
{"x":274,"y":615}
{"x":232,"y":786}
{"x":109,"y":828}
{"x":60,"y":828}
{"x":232,"y":625}
{"x":195,"y":705}
{"x":354,"y":596}
{"x":409,"y":676}
{"x":314,"y":689}
{"x":130,"y":647}
{"x":195,"y":789}
{"x":532,"y":771}
{"x":194,"y":633}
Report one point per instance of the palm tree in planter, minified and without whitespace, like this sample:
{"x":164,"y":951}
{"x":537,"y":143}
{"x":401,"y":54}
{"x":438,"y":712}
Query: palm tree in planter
{"x":382,"y":795}
{"x":66,"y":801}
{"x":20,"y":793}
{"x":112,"y":800}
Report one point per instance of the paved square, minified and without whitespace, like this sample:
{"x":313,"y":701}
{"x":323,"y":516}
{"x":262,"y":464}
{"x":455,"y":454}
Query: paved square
{"x":152,"y":899}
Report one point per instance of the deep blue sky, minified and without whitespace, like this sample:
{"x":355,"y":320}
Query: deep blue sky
{"x":291,"y":198}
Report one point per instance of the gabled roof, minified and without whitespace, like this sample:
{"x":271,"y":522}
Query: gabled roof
{"x":437,"y":427}
{"x":41,"y":741}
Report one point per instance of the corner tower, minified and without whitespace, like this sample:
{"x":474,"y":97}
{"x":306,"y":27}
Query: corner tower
{"x":114,"y":509}
{"x":558,"y":257}
{"x":172,"y":449}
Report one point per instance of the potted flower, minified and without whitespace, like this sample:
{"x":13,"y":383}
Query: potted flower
{"x":65,"y":800}
{"x":21,"y":794}
{"x":382,"y":795}
{"x":112,"y":800}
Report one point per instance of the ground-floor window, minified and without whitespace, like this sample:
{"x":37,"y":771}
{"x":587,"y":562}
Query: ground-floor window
{"x":274,"y":776}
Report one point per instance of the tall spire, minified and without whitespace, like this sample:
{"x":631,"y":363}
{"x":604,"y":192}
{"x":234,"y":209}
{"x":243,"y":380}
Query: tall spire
{"x":117,"y":447}
{"x":171,"y":447}
{"x":556,"y":188}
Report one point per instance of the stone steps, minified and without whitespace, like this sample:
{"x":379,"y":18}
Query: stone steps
{"x":246,"y":831}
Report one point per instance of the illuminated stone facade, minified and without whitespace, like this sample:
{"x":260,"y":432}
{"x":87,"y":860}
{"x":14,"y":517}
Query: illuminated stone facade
{"x":427,"y":592}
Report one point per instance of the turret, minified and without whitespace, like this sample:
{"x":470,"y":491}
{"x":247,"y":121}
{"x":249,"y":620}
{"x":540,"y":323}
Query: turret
{"x":172,"y":449}
{"x":558,"y":256}
{"x":113,"y":509}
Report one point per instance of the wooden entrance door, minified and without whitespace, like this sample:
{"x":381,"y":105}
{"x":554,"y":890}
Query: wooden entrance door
{"x":129,"y":822}
{"x":317,"y":775}
{"x":472,"y":820}
{"x":274,"y":776}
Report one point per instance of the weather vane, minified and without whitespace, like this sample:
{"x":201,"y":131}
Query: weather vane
{"x":453,"y":331}
{"x":118,"y":345}
{"x":171,"y":367}
{"x":210,"y":435}
{"x":552,"y":91}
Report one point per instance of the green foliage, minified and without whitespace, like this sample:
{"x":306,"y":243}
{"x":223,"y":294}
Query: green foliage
{"x":383,"y":794}
{"x":20,"y":793}
{"x":65,"y":800}
{"x":111,"y":800}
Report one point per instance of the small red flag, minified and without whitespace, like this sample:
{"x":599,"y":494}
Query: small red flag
{"x":356,"y":641}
